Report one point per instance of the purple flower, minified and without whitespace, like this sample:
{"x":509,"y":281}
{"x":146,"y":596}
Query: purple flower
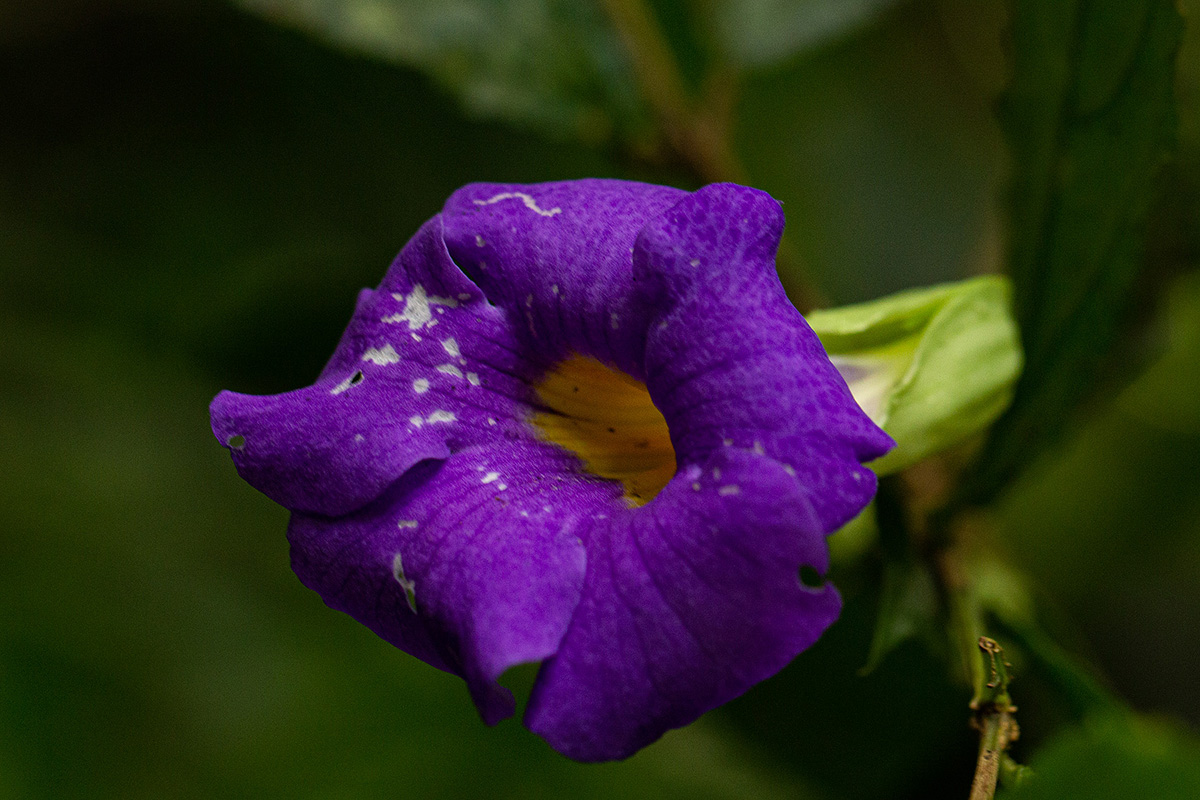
{"x":578,"y":423}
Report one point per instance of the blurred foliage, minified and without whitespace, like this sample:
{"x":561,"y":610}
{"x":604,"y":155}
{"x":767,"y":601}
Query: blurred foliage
{"x":190,"y":197}
{"x":760,"y":33}
{"x":885,"y":153}
{"x":554,"y":64}
{"x":1090,"y":118}
{"x":1116,"y":757}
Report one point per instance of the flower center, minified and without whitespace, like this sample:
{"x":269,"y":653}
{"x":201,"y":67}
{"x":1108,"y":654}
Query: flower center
{"x":607,"y":419}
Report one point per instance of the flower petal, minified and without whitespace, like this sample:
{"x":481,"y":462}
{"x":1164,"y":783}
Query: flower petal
{"x":729,"y":360}
{"x":557,"y":257}
{"x":426,"y":366}
{"x":687,"y":603}
{"x":467,"y":563}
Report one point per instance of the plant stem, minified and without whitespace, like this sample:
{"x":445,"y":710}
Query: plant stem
{"x":695,"y":136}
{"x":997,"y":730}
{"x":987,"y":671}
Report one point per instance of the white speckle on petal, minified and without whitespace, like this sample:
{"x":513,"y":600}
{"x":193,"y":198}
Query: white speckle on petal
{"x":406,"y":523}
{"x":528,"y":200}
{"x":726,"y":491}
{"x":416,"y":421}
{"x":789,"y":469}
{"x":696,"y":486}
{"x":501,"y":486}
{"x":449,"y":369}
{"x":727,"y":442}
{"x":409,"y":586}
{"x":416,"y":337}
{"x":554,"y":289}
{"x":529,"y":301}
{"x":695,"y":262}
{"x":473,"y":378}
{"x":421,"y":385}
{"x":614,"y":320}
{"x":358,"y":437}
{"x":479,"y":242}
{"x":716,"y":473}
{"x":491,"y":421}
{"x":381,"y":355}
{"x":464,"y":296}
{"x":441,"y":416}
{"x":451,"y":347}
{"x":491,"y":476}
{"x":758,"y":448}
{"x":417,"y":308}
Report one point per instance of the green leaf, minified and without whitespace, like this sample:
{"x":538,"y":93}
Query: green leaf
{"x":1165,"y":396}
{"x":1089,"y":119}
{"x":908,"y":608}
{"x":931,"y":366}
{"x":758,"y":33}
{"x":551,"y":64}
{"x":1116,"y":757}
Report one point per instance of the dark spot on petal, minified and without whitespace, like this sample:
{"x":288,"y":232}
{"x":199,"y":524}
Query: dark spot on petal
{"x":357,"y":378}
{"x":810,"y":577}
{"x":237,"y":441}
{"x":612,"y":430}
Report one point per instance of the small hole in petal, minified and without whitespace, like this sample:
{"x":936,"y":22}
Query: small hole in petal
{"x":356,"y":379}
{"x":237,"y":441}
{"x":811,"y":578}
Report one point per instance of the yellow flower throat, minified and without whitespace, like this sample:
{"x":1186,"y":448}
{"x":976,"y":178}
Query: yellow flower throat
{"x":607,"y":419}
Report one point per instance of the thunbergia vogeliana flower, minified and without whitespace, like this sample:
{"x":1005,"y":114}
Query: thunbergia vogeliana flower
{"x":577,"y":423}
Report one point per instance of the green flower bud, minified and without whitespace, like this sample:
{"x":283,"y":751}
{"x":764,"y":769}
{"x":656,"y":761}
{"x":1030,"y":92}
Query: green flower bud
{"x":930,"y":366}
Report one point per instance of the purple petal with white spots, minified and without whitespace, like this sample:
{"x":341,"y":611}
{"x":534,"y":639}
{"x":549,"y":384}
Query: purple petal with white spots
{"x":429,"y":507}
{"x":469,"y":564}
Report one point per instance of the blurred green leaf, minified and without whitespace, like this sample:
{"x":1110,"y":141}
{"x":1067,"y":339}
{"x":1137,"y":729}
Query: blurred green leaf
{"x":1089,"y":119}
{"x":553,"y":64}
{"x":1166,"y":395}
{"x":908,"y":608}
{"x":1071,"y":677}
{"x":931,"y":366}
{"x":910,"y":604}
{"x":885,"y":154}
{"x":1117,"y":758}
{"x":758,"y":33}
